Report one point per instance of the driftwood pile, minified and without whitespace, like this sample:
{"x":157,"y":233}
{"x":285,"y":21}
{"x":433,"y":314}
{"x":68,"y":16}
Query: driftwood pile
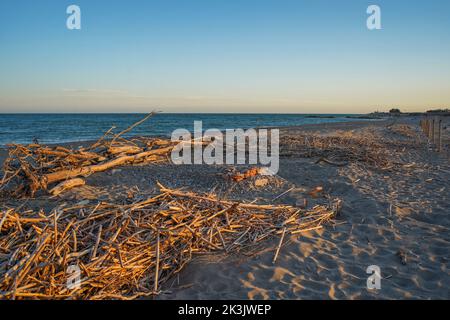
{"x":30,"y":168}
{"x":340,"y":150}
{"x":127,"y":251}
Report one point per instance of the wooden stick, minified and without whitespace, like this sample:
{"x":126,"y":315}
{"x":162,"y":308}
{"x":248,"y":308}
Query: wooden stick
{"x":55,"y":226}
{"x":157,"y":264}
{"x":309,"y":229}
{"x":282,"y":194}
{"x":221,"y":238}
{"x":201,"y":238}
{"x":279,"y":245}
{"x":440,"y":136}
{"x":4,"y":218}
{"x":97,"y":242}
{"x":432,"y":131}
{"x":242,"y":205}
{"x":131,"y":127}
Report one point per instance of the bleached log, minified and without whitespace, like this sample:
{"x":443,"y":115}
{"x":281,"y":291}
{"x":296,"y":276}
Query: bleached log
{"x":88,"y":170}
{"x":124,"y":149}
{"x":66,"y":185}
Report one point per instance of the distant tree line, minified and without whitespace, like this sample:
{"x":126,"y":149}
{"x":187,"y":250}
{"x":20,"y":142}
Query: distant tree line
{"x":439,"y":111}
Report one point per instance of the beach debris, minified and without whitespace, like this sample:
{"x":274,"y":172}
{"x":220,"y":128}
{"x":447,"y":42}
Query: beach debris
{"x":32,"y":167}
{"x":283,"y":194}
{"x":342,"y":148}
{"x":337,"y":205}
{"x":279,"y":246}
{"x":316,"y":191}
{"x":127,"y":251}
{"x":252,"y":172}
{"x":261,"y":182}
{"x":66,"y":185}
{"x":403,"y":211}
{"x":404,"y":130}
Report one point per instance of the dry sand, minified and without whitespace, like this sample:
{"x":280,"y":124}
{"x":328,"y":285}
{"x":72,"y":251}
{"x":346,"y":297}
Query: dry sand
{"x":397,"y":219}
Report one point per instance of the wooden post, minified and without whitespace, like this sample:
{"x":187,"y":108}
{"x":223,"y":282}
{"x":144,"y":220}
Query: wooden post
{"x":440,"y":136}
{"x":432,"y":131}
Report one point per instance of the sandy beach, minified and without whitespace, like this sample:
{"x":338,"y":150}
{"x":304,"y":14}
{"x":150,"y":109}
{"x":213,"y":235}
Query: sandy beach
{"x":397,"y":220}
{"x":396,"y":217}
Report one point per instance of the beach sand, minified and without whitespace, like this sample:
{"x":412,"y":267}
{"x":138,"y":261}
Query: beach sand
{"x":396,"y":219}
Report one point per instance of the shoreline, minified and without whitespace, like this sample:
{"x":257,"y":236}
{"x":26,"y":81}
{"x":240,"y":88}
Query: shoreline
{"x":308,"y":126}
{"x":182,"y":123}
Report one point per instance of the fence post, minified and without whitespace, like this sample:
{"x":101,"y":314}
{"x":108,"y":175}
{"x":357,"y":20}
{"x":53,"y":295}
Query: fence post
{"x":440,"y":136}
{"x":433,"y":131}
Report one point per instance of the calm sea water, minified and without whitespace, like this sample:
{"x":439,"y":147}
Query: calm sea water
{"x":56,"y":128}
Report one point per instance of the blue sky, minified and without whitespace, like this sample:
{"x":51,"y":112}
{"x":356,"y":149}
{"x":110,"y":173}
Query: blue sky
{"x":224,"y":56}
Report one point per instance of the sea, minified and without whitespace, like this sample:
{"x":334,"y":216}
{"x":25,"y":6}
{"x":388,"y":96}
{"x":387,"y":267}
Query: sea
{"x":48,"y":128}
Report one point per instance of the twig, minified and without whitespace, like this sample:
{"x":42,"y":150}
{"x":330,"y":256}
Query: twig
{"x":131,"y":127}
{"x":157,"y":264}
{"x":279,"y":246}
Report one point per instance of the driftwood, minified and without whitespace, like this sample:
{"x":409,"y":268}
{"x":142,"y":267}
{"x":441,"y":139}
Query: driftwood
{"x":131,"y":127}
{"x":123,"y":251}
{"x":30,"y":168}
{"x":66,"y":185}
{"x":279,"y":246}
{"x":341,"y":149}
{"x":88,"y":170}
{"x":130,"y":251}
{"x":124,"y":150}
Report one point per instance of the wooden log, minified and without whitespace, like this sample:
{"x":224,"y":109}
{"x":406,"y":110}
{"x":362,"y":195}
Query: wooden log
{"x":88,"y":170}
{"x":432,"y":131}
{"x":66,"y":185}
{"x":80,"y":156}
{"x":124,"y":149}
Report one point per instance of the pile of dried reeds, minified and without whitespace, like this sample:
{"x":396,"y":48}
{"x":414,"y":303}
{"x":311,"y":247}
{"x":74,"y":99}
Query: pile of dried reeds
{"x":29,"y":168}
{"x":341,"y":150}
{"x":127,"y":251}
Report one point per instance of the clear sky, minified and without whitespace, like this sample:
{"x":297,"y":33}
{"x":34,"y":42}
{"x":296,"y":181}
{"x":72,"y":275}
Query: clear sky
{"x":298,"y":56}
